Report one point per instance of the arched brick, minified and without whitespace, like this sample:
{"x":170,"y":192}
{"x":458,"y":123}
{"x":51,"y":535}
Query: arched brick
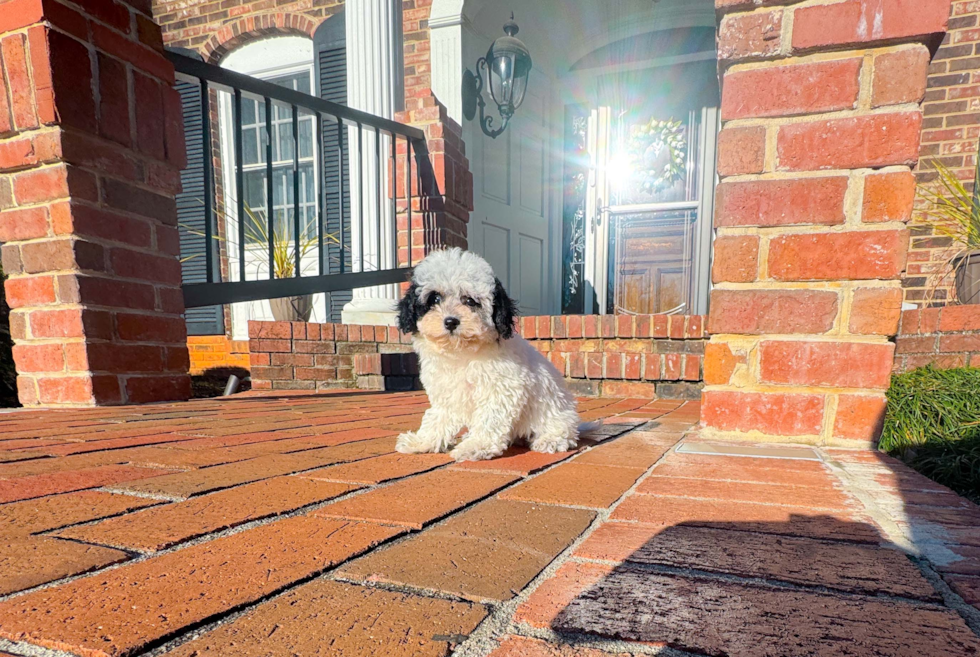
{"x":250,"y":28}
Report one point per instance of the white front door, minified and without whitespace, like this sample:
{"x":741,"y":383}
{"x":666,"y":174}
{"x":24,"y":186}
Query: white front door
{"x":517,"y":212}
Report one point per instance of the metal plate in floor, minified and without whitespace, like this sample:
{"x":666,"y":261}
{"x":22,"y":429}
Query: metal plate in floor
{"x":756,"y":451}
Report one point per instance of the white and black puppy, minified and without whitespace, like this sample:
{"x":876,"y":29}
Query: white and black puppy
{"x":477,"y":372}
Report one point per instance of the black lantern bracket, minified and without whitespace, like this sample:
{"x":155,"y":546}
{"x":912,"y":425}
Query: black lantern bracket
{"x":473,"y":82}
{"x":473,"y":99}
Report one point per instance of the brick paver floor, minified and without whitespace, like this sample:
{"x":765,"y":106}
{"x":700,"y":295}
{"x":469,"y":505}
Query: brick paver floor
{"x":287,"y":525}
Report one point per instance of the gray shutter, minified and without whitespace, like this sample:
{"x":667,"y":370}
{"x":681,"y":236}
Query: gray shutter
{"x":331,"y":76}
{"x":207,"y":320}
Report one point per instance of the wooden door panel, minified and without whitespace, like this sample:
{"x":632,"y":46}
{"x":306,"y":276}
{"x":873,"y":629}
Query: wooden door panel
{"x":670,"y":289}
{"x":650,"y":273}
{"x":511,"y":223}
{"x":496,"y":168}
{"x":635,"y":291}
{"x":533,"y":179}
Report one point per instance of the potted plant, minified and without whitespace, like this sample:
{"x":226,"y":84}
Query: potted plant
{"x":283,"y":265}
{"x":954,"y":211}
{"x":284,"y":309}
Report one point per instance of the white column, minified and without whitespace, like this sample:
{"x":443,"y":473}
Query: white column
{"x":446,"y":43}
{"x":375,"y":79}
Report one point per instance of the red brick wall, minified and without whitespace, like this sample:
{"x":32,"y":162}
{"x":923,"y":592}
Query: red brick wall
{"x":950,"y":131}
{"x":645,"y":356}
{"x":945,"y":337}
{"x":821,"y":124}
{"x":307,"y":356}
{"x":213,"y":27}
{"x":448,"y":212}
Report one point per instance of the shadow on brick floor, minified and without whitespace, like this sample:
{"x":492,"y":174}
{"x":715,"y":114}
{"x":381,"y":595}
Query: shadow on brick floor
{"x":811,"y":583}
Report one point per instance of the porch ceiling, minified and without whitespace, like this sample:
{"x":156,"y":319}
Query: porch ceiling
{"x":564,"y":31}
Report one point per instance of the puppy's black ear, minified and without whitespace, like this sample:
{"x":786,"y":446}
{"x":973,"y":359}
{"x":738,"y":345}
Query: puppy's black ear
{"x":504,"y":311}
{"x":408,"y":311}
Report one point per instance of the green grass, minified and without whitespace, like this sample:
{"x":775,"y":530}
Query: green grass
{"x":933,"y":424}
{"x":955,"y":464}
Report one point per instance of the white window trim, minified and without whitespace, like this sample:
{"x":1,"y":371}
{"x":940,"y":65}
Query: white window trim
{"x":291,"y":54}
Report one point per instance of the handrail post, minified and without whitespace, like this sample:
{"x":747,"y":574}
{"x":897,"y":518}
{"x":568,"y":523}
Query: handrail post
{"x":296,"y":205}
{"x":270,"y":189}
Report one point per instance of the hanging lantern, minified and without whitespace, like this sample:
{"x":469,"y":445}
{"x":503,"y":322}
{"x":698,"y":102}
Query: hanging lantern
{"x":508,"y":65}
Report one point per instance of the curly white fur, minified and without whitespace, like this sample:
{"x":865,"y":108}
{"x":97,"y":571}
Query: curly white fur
{"x":500,"y":388}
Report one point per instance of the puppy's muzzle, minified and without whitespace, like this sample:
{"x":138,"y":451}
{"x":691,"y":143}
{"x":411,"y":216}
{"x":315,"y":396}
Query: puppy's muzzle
{"x":451,"y":324}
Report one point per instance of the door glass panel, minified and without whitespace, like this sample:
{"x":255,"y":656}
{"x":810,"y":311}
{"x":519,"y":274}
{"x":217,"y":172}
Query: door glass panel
{"x":575,"y":177}
{"x":654,"y":159}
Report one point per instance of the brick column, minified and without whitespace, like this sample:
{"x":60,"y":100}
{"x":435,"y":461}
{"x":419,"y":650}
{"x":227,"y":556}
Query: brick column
{"x":442,"y":184}
{"x":441,"y":211}
{"x":821,"y":119}
{"x":91,"y":146}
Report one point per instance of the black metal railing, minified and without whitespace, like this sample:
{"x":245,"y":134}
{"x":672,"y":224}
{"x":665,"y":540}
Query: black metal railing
{"x":342,"y":257}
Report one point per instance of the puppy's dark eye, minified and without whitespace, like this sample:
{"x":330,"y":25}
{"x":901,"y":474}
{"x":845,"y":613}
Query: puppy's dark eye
{"x":471,"y":302}
{"x":435,"y":298}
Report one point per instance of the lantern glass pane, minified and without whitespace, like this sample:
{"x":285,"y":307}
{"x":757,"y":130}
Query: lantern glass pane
{"x":520,"y":87}
{"x":502,"y":79}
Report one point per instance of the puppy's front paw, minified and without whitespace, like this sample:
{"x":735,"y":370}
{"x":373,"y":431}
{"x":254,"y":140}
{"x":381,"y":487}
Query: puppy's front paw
{"x":553,"y":444}
{"x":411,"y":443}
{"x":475,"y":451}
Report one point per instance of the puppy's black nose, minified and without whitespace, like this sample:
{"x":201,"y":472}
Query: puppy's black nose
{"x":451,"y":324}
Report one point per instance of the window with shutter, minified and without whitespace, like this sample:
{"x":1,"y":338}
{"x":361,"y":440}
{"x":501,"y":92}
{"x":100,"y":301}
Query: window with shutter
{"x":207,"y":320}
{"x":330,"y":45}
{"x":287,"y":61}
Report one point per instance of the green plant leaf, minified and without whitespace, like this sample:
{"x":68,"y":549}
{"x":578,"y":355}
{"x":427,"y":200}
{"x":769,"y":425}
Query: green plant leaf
{"x":283,"y":247}
{"x":953,"y":211}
